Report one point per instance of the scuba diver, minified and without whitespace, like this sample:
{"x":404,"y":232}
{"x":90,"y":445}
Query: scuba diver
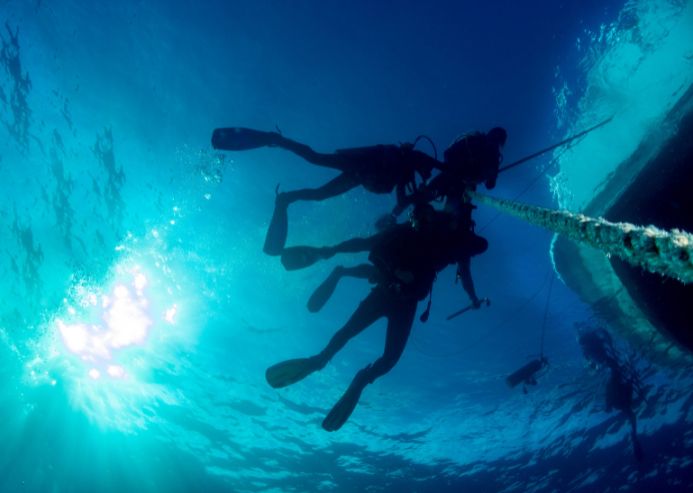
{"x":405,"y":260}
{"x":379,"y":169}
{"x":624,"y":381}
{"x":619,"y":396}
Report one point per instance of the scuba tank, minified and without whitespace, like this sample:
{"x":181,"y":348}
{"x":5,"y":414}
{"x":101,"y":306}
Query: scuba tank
{"x":527,"y":374}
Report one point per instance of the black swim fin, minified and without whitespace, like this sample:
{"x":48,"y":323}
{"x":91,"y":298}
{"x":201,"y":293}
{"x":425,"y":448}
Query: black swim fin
{"x":241,"y":139}
{"x":278,"y":229}
{"x":341,"y":411}
{"x":324,"y":291}
{"x":291,"y":371}
{"x":299,"y":257}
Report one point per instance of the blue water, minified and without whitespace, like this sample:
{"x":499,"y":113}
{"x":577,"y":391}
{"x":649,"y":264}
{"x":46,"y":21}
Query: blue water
{"x":138,"y":313}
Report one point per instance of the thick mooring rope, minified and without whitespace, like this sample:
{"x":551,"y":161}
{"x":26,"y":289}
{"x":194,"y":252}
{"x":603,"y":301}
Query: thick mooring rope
{"x":669,"y":253}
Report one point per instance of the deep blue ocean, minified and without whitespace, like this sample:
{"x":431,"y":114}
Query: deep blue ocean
{"x":138,"y":312}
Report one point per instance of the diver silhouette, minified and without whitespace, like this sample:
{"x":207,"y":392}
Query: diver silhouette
{"x":405,"y":260}
{"x":379,"y":169}
{"x":624,"y":381}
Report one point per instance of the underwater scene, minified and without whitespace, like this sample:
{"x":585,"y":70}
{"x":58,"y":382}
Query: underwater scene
{"x":331,"y":246}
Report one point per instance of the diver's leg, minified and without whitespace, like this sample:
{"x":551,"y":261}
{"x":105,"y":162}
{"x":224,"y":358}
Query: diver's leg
{"x":368,"y":311}
{"x":278,"y":230}
{"x":337,"y":186}
{"x":324,"y":291}
{"x":332,"y":160}
{"x":399,"y":323}
{"x":294,"y":370}
{"x":400,"y":320}
{"x":362,"y":271}
{"x":241,"y":139}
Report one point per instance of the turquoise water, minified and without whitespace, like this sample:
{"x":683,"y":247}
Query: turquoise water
{"x":138,"y":313}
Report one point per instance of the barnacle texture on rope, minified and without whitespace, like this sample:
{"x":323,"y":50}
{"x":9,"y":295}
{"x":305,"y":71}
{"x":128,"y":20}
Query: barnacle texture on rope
{"x":669,"y":253}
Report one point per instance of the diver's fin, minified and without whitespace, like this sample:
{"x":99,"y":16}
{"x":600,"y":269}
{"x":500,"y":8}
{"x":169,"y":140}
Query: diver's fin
{"x":291,"y":371}
{"x":324,"y":291}
{"x":241,"y":139}
{"x":278,"y":229}
{"x":341,"y":411}
{"x":299,"y":257}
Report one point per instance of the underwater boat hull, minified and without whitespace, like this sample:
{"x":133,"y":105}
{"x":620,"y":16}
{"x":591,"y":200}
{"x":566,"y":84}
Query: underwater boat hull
{"x":651,"y":187}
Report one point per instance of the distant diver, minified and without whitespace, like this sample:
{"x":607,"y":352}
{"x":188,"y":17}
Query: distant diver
{"x":624,"y":380}
{"x":405,"y":260}
{"x":619,"y":395}
{"x":379,"y":169}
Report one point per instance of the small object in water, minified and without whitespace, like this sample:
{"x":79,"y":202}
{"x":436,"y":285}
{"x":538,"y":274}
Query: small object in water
{"x":527,"y":374}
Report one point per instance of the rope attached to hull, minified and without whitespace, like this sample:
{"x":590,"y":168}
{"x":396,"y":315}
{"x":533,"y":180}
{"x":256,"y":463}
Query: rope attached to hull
{"x":669,"y":253}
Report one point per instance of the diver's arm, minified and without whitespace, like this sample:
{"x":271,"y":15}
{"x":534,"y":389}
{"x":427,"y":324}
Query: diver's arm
{"x":464,"y":273}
